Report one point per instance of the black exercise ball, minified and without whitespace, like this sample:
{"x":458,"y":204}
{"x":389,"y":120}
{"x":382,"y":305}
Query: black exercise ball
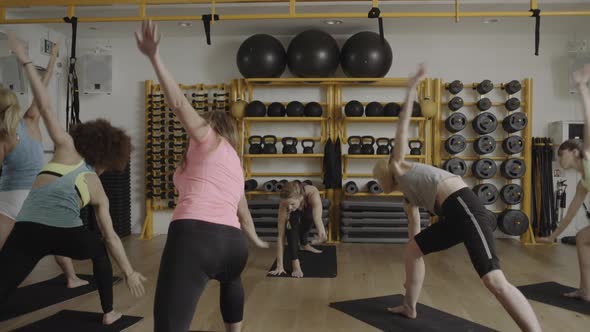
{"x":276,"y":109}
{"x":364,"y":55}
{"x":374,"y":109}
{"x":256,"y":108}
{"x":353,"y":108}
{"x":261,"y":56}
{"x":295,"y":108}
{"x":313,"y":53}
{"x":313,"y":109}
{"x":392,"y":109}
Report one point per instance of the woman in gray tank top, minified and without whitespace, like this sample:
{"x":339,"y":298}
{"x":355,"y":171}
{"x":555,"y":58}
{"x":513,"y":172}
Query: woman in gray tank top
{"x":464,"y":219}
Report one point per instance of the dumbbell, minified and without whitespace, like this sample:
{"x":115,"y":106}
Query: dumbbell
{"x":351,"y":188}
{"x":280,"y":185}
{"x":374,"y":187}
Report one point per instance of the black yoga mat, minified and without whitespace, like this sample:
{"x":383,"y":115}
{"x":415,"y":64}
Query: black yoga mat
{"x":313,"y":265}
{"x":552,"y":293}
{"x":43,"y":294}
{"x":79,"y":321}
{"x":373,"y":311}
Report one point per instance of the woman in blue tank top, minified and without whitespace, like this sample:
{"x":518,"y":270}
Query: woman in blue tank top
{"x":21,"y":158}
{"x":464,"y":219}
{"x":49,"y":222}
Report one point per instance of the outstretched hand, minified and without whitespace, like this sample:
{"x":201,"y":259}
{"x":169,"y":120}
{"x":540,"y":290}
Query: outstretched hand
{"x":17,"y":46}
{"x":582,"y":75}
{"x":148,"y":38}
{"x":418,"y":76}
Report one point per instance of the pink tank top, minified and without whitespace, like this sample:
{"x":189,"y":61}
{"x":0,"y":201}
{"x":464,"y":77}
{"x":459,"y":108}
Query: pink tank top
{"x":211,"y":184}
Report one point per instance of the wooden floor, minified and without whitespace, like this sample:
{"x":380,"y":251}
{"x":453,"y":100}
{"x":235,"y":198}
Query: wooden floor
{"x":364,"y":270}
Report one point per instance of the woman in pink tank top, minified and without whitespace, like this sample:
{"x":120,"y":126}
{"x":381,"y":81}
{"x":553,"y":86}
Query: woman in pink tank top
{"x":206,"y":237}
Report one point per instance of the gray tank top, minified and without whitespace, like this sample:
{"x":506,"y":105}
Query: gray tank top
{"x":419,"y":185}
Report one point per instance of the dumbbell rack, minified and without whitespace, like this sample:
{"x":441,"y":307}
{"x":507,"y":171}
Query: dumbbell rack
{"x":166,"y":140}
{"x":341,"y":122}
{"x":440,"y":155}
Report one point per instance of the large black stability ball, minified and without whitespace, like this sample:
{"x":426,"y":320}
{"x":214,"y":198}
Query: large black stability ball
{"x":365,"y":55}
{"x":261,"y":55}
{"x":313,"y":53}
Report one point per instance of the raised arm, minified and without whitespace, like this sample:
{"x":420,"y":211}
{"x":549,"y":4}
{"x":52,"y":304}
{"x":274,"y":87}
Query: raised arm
{"x":572,"y":210}
{"x":248,"y":224}
{"x":581,"y":77}
{"x":401,"y":133}
{"x":147,"y":42}
{"x":100,"y":202}
{"x":33,"y":111}
{"x":58,"y":135}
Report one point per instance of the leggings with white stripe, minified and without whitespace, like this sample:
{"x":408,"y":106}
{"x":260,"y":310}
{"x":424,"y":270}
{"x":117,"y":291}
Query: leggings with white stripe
{"x":465,"y":220}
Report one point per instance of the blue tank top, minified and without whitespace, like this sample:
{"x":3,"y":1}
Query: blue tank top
{"x":57,"y":203}
{"x":23,"y":163}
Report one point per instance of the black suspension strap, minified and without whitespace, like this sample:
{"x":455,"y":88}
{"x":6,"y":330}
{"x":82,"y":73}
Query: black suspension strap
{"x":207,"y":23}
{"x":73,"y":97}
{"x":537,"y":15}
{"x":376,"y":13}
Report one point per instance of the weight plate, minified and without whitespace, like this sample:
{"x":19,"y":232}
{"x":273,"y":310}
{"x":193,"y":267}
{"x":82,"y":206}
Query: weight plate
{"x":484,"y":104}
{"x":513,"y":222}
{"x":513,"y":145}
{"x":455,"y":166}
{"x":456,"y":122}
{"x":484,"y":168}
{"x":513,"y":168}
{"x":484,"y":144}
{"x":512,"y":87}
{"x":455,"y":144}
{"x":511,"y":194}
{"x":485,"y":123}
{"x":512,"y":104}
{"x":456,"y":103}
{"x":455,"y":87}
{"x":515,"y":122}
{"x":484,"y":87}
{"x":487,"y":193}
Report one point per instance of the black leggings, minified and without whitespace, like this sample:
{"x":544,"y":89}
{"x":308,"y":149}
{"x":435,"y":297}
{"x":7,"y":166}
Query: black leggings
{"x":297,"y":230}
{"x":29,"y":242}
{"x":195,"y":252}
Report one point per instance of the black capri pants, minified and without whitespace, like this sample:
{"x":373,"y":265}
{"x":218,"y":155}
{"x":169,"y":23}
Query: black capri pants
{"x":465,"y":220}
{"x":195,"y":252}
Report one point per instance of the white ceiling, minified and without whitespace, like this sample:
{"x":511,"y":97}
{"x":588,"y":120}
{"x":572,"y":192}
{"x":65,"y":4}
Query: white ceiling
{"x":288,"y":27}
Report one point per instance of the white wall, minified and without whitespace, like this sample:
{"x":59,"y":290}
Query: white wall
{"x":467,"y":51}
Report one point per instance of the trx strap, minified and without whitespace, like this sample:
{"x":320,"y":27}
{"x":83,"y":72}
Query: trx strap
{"x":207,"y":23}
{"x":376,"y":13}
{"x":72,"y":99}
{"x":537,"y":15}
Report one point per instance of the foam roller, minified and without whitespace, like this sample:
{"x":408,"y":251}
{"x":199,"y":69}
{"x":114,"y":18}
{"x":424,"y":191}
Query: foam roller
{"x":351,"y":188}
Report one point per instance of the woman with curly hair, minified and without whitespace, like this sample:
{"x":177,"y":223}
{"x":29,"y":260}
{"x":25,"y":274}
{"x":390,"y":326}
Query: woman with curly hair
{"x":49,"y":221}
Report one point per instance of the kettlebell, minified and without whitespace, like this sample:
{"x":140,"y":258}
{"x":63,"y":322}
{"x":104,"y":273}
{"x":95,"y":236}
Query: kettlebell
{"x":382,"y":145}
{"x":308,"y":149}
{"x":269,"y":142}
{"x":367,"y":147}
{"x":289,"y":145}
{"x":354,"y":145}
{"x":255,"y":144}
{"x":415,"y":148}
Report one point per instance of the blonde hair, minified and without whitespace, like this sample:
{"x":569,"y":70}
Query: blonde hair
{"x":9,"y":113}
{"x":223,"y":124}
{"x":384,"y":176}
{"x":291,"y":189}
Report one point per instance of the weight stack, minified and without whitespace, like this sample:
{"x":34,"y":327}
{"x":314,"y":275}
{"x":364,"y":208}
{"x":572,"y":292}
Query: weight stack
{"x":265,"y":213}
{"x":117,"y":186}
{"x":376,"y":221}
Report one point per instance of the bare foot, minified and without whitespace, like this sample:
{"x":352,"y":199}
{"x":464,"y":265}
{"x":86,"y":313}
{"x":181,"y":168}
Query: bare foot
{"x":578,"y":294}
{"x":404,"y":311}
{"x":76,"y":282}
{"x":111,"y":317}
{"x":309,"y":248}
{"x":297,"y":274}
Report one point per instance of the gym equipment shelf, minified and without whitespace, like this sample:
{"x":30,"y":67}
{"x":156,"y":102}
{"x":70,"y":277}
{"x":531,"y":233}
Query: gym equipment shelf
{"x":284,"y":119}
{"x":440,"y":155}
{"x":285,"y":155}
{"x":379,"y":156}
{"x":380,"y":119}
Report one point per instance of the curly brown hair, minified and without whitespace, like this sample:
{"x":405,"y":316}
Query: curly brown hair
{"x":102,"y":145}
